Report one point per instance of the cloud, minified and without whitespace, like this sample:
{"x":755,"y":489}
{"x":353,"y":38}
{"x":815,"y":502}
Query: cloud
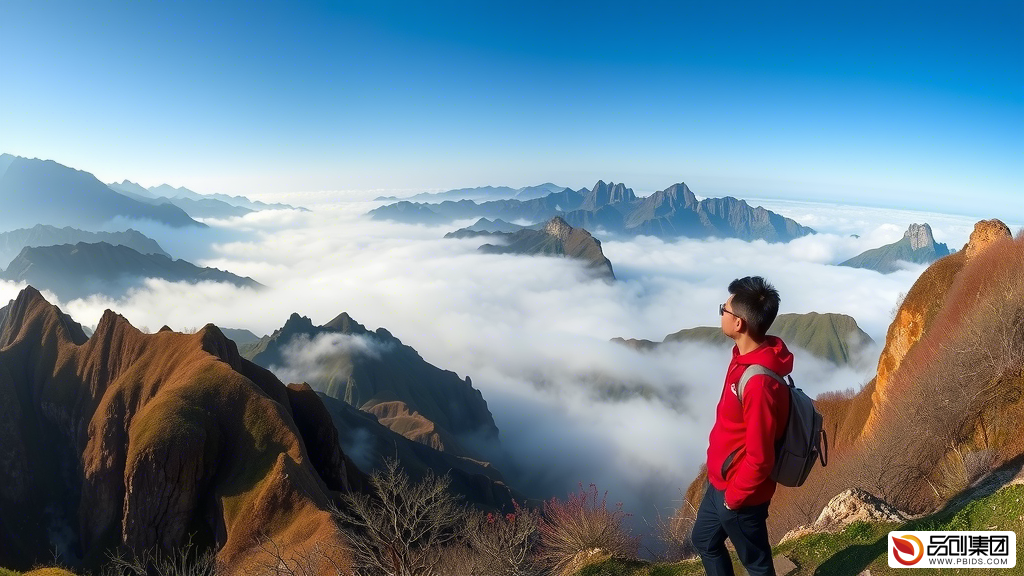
{"x":308,"y":360}
{"x":533,"y":333}
{"x":9,"y":291}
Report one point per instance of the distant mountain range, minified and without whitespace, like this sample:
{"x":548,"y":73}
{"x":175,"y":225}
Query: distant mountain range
{"x":670,"y":213}
{"x":375,"y":372}
{"x":833,"y":337}
{"x":34,"y":191}
{"x":481,"y":193}
{"x":197,"y":205}
{"x":77,"y":270}
{"x":181,"y":193}
{"x":555,"y":238}
{"x":11,"y":243}
{"x":917,"y":246}
{"x":484,"y":227}
{"x":534,"y":210}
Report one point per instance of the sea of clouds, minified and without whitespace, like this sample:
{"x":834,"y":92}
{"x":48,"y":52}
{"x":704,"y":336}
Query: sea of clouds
{"x":531,"y":332}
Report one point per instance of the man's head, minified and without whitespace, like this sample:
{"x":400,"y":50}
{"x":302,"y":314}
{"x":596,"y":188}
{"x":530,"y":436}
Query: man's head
{"x":751,"y":308}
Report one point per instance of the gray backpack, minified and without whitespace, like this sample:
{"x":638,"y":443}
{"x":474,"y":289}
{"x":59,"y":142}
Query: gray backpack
{"x":803,"y":442}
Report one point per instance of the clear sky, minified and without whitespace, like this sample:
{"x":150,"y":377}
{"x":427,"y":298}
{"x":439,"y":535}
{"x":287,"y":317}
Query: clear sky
{"x":917,"y":105}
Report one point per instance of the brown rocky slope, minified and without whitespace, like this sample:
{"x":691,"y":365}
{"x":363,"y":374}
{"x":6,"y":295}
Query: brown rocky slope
{"x":129,"y":440}
{"x":945,"y":405}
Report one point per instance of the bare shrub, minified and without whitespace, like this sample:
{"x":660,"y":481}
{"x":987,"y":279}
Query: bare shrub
{"x":504,"y":543}
{"x":895,"y":310}
{"x":978,"y":463}
{"x":674,"y":531}
{"x":400,"y":528}
{"x":582,"y":525}
{"x":316,"y":560}
{"x":187,"y":560}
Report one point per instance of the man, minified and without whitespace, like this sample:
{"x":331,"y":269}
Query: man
{"x":741,"y":451}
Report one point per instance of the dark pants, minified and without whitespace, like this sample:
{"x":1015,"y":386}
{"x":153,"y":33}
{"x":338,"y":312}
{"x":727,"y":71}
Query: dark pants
{"x":746,"y":528}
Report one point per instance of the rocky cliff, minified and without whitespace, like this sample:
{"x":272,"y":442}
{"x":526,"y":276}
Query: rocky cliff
{"x":945,"y":405}
{"x":128,"y":440}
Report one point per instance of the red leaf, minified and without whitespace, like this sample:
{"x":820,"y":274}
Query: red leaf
{"x":903,"y":546}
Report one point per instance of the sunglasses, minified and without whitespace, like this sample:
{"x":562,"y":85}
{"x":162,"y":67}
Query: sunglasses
{"x":722,"y":311}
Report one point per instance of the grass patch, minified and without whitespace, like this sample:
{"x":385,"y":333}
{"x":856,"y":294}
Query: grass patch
{"x":858,"y":546}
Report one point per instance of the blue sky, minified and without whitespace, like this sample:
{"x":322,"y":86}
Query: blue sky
{"x":917,"y":105}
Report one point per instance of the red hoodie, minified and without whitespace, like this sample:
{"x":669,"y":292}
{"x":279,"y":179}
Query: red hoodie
{"x":742,"y":442}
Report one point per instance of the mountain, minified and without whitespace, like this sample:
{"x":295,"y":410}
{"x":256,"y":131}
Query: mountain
{"x":368,"y":442}
{"x":917,"y":246}
{"x":478,"y":193}
{"x":11,"y":243}
{"x":496,"y":225}
{"x":539,"y":191}
{"x":129,"y":441}
{"x":168,"y":191}
{"x":129,"y":188}
{"x":556,"y":239}
{"x":670,"y":213}
{"x":409,"y":213}
{"x":34,"y":191}
{"x":240,"y":337}
{"x":833,"y":337}
{"x":482,"y":193}
{"x":535,"y":210}
{"x":944,"y":406}
{"x":78,"y":270}
{"x":196,"y":205}
{"x":675,"y":211}
{"x":485,"y":227}
{"x":603,"y":194}
{"x":375,"y":372}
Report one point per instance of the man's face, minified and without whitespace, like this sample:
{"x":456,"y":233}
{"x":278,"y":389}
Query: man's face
{"x":731,"y":324}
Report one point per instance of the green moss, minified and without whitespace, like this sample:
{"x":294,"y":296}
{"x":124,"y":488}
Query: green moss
{"x":860,"y":545}
{"x":6,"y":572}
{"x":859,"y":530}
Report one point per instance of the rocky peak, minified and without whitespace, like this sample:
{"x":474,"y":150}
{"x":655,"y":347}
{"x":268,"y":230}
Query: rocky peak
{"x":297,"y":324}
{"x":985,"y":233}
{"x":920,"y":236}
{"x":682,"y":192}
{"x":345,"y":323}
{"x":216,"y":343}
{"x":558,"y":228}
{"x":609,"y":193}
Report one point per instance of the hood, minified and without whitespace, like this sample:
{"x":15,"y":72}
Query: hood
{"x":772,"y":354}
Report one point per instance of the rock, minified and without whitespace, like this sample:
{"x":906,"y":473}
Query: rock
{"x":985,"y":233}
{"x":920,"y":236}
{"x":851,"y":505}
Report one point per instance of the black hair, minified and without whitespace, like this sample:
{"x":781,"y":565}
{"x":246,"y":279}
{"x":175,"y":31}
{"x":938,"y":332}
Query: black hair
{"x":757,"y":302}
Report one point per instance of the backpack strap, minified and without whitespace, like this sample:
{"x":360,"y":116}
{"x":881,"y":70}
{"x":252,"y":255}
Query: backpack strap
{"x":750,"y":372}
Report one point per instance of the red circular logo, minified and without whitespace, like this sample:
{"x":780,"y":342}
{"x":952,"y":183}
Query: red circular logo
{"x":905,"y":545}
